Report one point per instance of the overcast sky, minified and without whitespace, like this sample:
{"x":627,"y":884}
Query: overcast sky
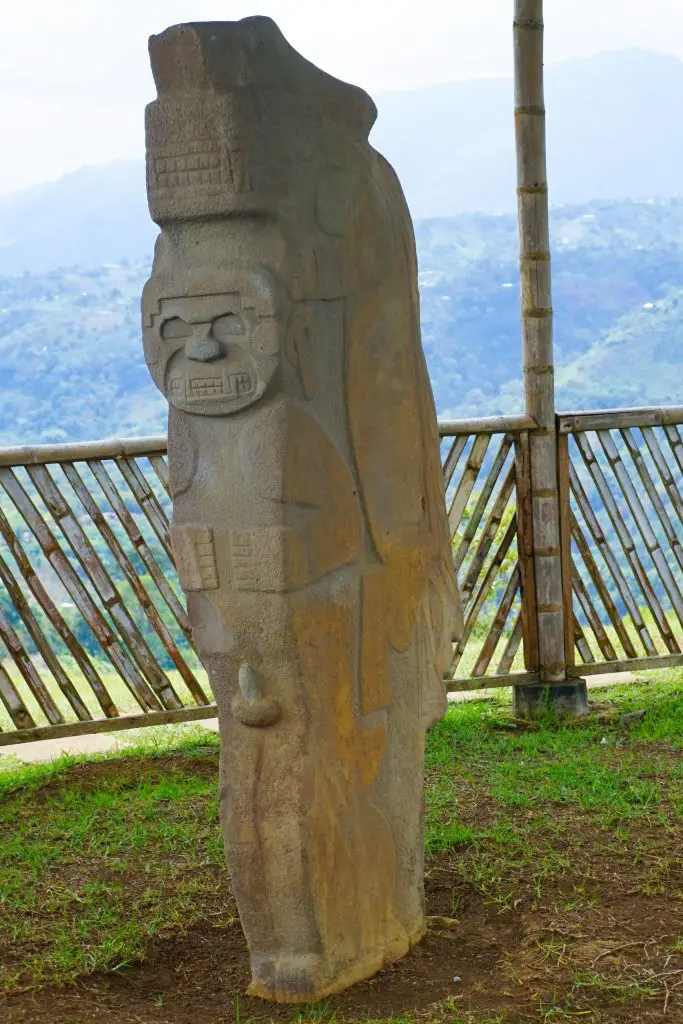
{"x":74,"y":74}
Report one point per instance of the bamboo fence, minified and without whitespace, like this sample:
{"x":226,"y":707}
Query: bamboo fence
{"x":93,"y":624}
{"x":93,"y":630}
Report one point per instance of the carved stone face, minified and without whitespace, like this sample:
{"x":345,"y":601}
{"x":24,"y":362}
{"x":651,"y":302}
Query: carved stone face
{"x":214,"y":354}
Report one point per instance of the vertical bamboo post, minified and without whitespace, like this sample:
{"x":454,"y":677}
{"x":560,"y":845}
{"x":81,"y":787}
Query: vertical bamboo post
{"x":539,"y":383}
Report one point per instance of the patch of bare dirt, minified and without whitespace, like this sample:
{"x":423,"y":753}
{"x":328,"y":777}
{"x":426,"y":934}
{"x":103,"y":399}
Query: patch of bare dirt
{"x":521,"y":962}
{"x":599,"y":941}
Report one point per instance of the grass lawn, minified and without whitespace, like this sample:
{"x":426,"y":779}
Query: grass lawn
{"x":558,"y":851}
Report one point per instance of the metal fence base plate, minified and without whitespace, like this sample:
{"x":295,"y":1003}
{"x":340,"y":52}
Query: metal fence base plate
{"x":566,"y":699}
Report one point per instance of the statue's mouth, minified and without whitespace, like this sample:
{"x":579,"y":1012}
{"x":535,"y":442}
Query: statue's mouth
{"x":197,"y":389}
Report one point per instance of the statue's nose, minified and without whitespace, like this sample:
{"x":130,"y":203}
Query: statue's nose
{"x":202,"y":347}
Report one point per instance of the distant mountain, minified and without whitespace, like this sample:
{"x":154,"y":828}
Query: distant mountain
{"x":95,"y":215}
{"x":71,"y":356}
{"x":614,"y":131}
{"x":72,"y":365}
{"x":618,"y":329}
{"x":638,"y":361}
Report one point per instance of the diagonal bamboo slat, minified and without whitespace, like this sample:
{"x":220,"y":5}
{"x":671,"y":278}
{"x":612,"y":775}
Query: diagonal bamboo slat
{"x":452,"y":459}
{"x":482,"y":501}
{"x":511,"y":647}
{"x":499,"y":621}
{"x":598,"y":538}
{"x":468,"y":480}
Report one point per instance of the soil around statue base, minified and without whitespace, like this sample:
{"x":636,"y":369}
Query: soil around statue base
{"x":201,"y":976}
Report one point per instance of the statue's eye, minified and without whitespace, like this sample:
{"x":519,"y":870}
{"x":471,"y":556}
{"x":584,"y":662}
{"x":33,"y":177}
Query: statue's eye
{"x":175,"y":328}
{"x":225,"y":327}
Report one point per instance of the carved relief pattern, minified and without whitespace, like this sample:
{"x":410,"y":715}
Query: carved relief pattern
{"x":195,"y":556}
{"x":197,"y":163}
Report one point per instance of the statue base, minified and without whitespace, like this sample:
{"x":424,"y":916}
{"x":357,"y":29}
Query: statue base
{"x":301,"y":979}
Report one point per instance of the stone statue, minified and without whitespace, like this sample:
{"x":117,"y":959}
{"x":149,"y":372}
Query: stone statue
{"x":281,"y":322}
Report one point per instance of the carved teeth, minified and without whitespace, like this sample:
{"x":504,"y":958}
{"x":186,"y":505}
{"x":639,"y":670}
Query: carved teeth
{"x":198,"y":388}
{"x":204,"y":387}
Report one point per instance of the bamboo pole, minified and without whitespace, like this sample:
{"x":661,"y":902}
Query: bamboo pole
{"x":30,"y":733}
{"x":537,"y":338}
{"x":620,"y":419}
{"x":485,"y":425}
{"x":77,"y":451}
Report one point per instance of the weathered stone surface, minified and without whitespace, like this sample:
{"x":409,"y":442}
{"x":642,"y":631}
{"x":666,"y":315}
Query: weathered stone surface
{"x":281,"y":321}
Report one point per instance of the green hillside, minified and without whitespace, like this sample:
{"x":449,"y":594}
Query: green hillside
{"x":616,"y":270}
{"x":638,"y":361}
{"x":71,"y":356}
